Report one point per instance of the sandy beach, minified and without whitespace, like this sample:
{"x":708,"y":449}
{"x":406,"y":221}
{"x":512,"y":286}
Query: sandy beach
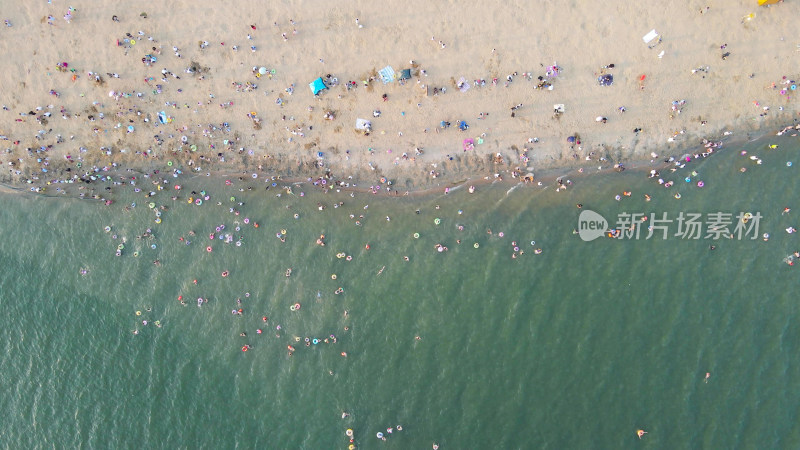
{"x":85,"y":83}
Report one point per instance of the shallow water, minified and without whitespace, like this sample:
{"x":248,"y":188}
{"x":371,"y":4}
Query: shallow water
{"x":577,"y":347}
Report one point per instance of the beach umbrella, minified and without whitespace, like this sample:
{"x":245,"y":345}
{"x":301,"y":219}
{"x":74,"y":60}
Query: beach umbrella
{"x":571,"y":139}
{"x":262,"y":70}
{"x":767,"y":2}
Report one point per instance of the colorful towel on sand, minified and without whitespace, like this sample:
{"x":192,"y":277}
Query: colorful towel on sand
{"x":387,"y":74}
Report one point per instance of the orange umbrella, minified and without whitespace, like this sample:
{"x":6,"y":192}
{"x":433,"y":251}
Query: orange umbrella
{"x":767,"y":2}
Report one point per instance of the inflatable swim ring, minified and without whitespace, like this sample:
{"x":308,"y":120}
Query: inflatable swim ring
{"x":135,"y":254}
{"x":476,"y":245}
{"x":315,"y":341}
{"x":678,"y":196}
{"x":700,"y":183}
{"x":151,"y":205}
{"x":283,"y":232}
{"x":333,"y":277}
{"x":416,"y":235}
{"x":297,"y":306}
{"x":198,"y":202}
{"x":138,"y":313}
{"x":153,"y":246}
{"x":169,"y":163}
{"x":292,"y":308}
{"x":158,"y":220}
{"x":108,"y":229}
{"x":437,"y":221}
{"x":349,"y":432}
{"x":209,"y":249}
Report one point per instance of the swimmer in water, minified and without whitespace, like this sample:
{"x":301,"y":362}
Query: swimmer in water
{"x":345,"y":414}
{"x":786,"y":211}
{"x":708,"y":375}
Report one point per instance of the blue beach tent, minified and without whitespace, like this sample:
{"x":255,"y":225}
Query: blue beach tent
{"x":317,"y":85}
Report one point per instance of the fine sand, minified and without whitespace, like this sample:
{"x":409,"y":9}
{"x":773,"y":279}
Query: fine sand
{"x":218,"y":125}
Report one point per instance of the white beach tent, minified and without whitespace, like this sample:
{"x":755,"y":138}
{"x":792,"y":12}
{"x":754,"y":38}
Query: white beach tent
{"x":652,"y":39}
{"x":363,"y":124}
{"x":647,"y":38}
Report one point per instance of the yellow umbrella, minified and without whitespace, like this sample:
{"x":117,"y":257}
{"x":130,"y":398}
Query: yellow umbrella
{"x":767,"y":2}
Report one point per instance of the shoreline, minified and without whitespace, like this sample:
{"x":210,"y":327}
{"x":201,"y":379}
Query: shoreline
{"x":560,"y":177}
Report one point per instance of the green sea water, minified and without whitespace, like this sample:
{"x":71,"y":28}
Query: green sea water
{"x":577,"y":347}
